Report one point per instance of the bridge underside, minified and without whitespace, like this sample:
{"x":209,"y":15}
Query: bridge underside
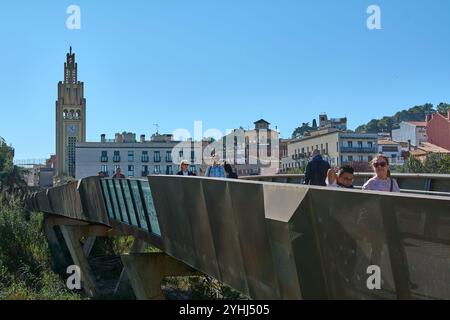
{"x":275,"y":240}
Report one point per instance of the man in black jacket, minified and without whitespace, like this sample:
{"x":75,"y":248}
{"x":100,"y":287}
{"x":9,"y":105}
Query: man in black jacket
{"x":316,"y":170}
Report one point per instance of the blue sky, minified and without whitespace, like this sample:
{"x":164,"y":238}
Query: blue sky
{"x":226,"y":63}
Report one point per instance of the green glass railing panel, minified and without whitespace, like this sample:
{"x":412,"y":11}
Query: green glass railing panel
{"x":150,"y":208}
{"x":121,"y":200}
{"x":107,"y":199}
{"x":139,"y":205}
{"x":114,"y":199}
{"x":129,"y":201}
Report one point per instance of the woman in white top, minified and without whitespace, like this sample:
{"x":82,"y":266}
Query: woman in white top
{"x":382,"y":180}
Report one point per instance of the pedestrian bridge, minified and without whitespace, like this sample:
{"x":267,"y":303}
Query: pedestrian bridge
{"x":268,"y":240}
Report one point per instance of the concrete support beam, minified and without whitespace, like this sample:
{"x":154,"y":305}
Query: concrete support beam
{"x":72,"y":236}
{"x":60,"y":259}
{"x":88,"y":245}
{"x":137,"y":247}
{"x":147,"y":270}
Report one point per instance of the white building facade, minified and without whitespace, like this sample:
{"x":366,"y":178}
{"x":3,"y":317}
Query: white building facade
{"x":135,"y":159}
{"x":413,"y":132}
{"x":392,"y":150}
{"x":337,"y":147}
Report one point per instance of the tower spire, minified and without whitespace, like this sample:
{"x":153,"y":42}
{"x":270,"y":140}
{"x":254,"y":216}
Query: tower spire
{"x":70,"y":68}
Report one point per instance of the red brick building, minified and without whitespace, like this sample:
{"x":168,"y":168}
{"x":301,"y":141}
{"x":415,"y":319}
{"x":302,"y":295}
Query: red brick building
{"x":438,"y":130}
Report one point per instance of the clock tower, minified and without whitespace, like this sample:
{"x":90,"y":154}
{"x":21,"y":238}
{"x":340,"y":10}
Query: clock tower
{"x":70,"y":118}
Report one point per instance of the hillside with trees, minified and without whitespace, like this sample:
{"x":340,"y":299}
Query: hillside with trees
{"x":416,"y":113}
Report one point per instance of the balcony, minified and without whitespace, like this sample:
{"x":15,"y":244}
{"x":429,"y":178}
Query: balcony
{"x":116,"y":158}
{"x":359,"y":149}
{"x":299,"y":156}
{"x":358,"y":136}
{"x":104,"y":159}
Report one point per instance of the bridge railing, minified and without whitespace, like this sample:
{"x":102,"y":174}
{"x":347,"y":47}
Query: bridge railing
{"x":276,"y":241}
{"x":421,"y":183}
{"x":130,"y":201}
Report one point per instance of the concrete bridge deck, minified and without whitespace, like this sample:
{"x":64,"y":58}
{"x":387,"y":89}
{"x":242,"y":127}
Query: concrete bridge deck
{"x":267,"y":240}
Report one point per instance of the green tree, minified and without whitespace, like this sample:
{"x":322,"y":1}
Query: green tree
{"x":305,"y":127}
{"x":412,"y":165}
{"x":387,"y":123}
{"x":11,"y":176}
{"x":434,"y":163}
{"x":443,"y":108}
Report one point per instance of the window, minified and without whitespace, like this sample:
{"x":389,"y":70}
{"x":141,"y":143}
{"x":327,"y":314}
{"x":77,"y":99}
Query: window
{"x":168,"y":156}
{"x":326,"y":148}
{"x":370,"y":143}
{"x":116,"y":157}
{"x":157,"y":156}
{"x":193,"y":169}
{"x":337,"y":146}
{"x":369,"y":158}
{"x":169,"y":170}
{"x":144,"y":170}
{"x":71,"y":156}
{"x":157,"y":169}
{"x":361,"y":158}
{"x":192,"y":156}
{"x":350,"y":144}
{"x":350,"y":158}
{"x":360,"y":144}
{"x":131,"y":171}
{"x":104,"y":169}
{"x":181,"y":154}
{"x":104,"y":156}
{"x":144,"y":157}
{"x":130,"y":156}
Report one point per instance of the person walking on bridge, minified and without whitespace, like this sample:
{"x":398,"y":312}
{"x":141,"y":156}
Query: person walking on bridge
{"x":118,"y":174}
{"x":184,"y":169}
{"x":382,"y":180}
{"x":316,"y":170}
{"x":215,"y":170}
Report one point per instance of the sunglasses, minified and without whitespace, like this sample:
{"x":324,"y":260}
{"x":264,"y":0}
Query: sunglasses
{"x":380,"y":164}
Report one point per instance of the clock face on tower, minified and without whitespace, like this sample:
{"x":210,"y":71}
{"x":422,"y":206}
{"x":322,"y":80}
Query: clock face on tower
{"x":72,"y":129}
